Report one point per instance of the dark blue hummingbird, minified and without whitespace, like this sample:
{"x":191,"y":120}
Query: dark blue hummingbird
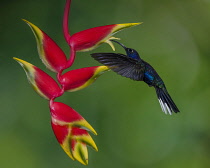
{"x":133,"y":67}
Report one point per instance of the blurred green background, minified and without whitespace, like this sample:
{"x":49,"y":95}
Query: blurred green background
{"x":132,"y":129}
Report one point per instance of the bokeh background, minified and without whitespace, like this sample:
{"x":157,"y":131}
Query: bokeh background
{"x":132,"y":129}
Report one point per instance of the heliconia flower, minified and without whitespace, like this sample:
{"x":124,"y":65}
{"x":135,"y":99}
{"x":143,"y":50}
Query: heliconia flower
{"x":50,"y":53}
{"x":78,"y":79}
{"x":42,"y":83}
{"x":89,"y":39}
{"x":70,"y":129}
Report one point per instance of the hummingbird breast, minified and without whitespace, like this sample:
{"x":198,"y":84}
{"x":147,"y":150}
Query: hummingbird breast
{"x":151,"y":77}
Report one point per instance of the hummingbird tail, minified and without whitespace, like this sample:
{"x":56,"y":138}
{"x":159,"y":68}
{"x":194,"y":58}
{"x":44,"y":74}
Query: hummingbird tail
{"x":165,"y":100}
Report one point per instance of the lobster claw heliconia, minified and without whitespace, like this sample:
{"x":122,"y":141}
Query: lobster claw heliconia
{"x":49,"y":52}
{"x":41,"y":82}
{"x":89,"y":39}
{"x":71,"y":131}
{"x":70,"y":128}
{"x":78,"y":79}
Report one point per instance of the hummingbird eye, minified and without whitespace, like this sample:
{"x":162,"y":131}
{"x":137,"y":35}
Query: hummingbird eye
{"x":130,"y":50}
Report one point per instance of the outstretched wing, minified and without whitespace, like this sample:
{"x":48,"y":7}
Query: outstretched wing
{"x":121,"y":64}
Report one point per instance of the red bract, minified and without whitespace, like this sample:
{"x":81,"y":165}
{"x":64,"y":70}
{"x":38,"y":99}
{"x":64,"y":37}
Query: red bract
{"x":62,"y":113}
{"x":50,"y":53}
{"x":89,"y":39}
{"x":70,"y":129}
{"x":42,"y":83}
{"x":81,"y":78}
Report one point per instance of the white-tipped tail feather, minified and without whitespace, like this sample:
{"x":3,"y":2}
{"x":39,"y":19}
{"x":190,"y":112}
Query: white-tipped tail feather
{"x":165,"y":107}
{"x":166,"y":103}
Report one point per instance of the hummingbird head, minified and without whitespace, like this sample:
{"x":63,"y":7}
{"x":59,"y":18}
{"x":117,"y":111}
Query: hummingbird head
{"x":129,"y":51}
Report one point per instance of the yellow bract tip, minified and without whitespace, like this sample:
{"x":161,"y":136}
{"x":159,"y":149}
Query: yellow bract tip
{"x":25,"y":20}
{"x":119,"y":27}
{"x":100,"y":70}
{"x":29,"y":23}
{"x":80,"y":153}
{"x":87,"y":139}
{"x":22,"y":62}
{"x":85,"y":125}
{"x":37,"y":32}
{"x":130,"y":24}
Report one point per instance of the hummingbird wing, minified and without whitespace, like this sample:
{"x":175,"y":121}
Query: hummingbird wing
{"x":121,"y":64}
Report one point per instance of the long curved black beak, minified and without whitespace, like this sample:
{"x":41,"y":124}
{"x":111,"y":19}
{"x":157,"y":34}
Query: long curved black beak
{"x":119,"y":43}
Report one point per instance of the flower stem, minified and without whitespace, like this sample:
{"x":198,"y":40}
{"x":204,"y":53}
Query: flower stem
{"x":59,"y":80}
{"x":66,"y":22}
{"x":67,"y":33}
{"x":72,"y":57}
{"x":51,"y":102}
{"x":59,"y":76}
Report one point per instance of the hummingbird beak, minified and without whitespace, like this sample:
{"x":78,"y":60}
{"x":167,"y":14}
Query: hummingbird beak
{"x":119,"y":43}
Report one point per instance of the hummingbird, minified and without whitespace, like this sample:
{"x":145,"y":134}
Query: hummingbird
{"x":135,"y":68}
